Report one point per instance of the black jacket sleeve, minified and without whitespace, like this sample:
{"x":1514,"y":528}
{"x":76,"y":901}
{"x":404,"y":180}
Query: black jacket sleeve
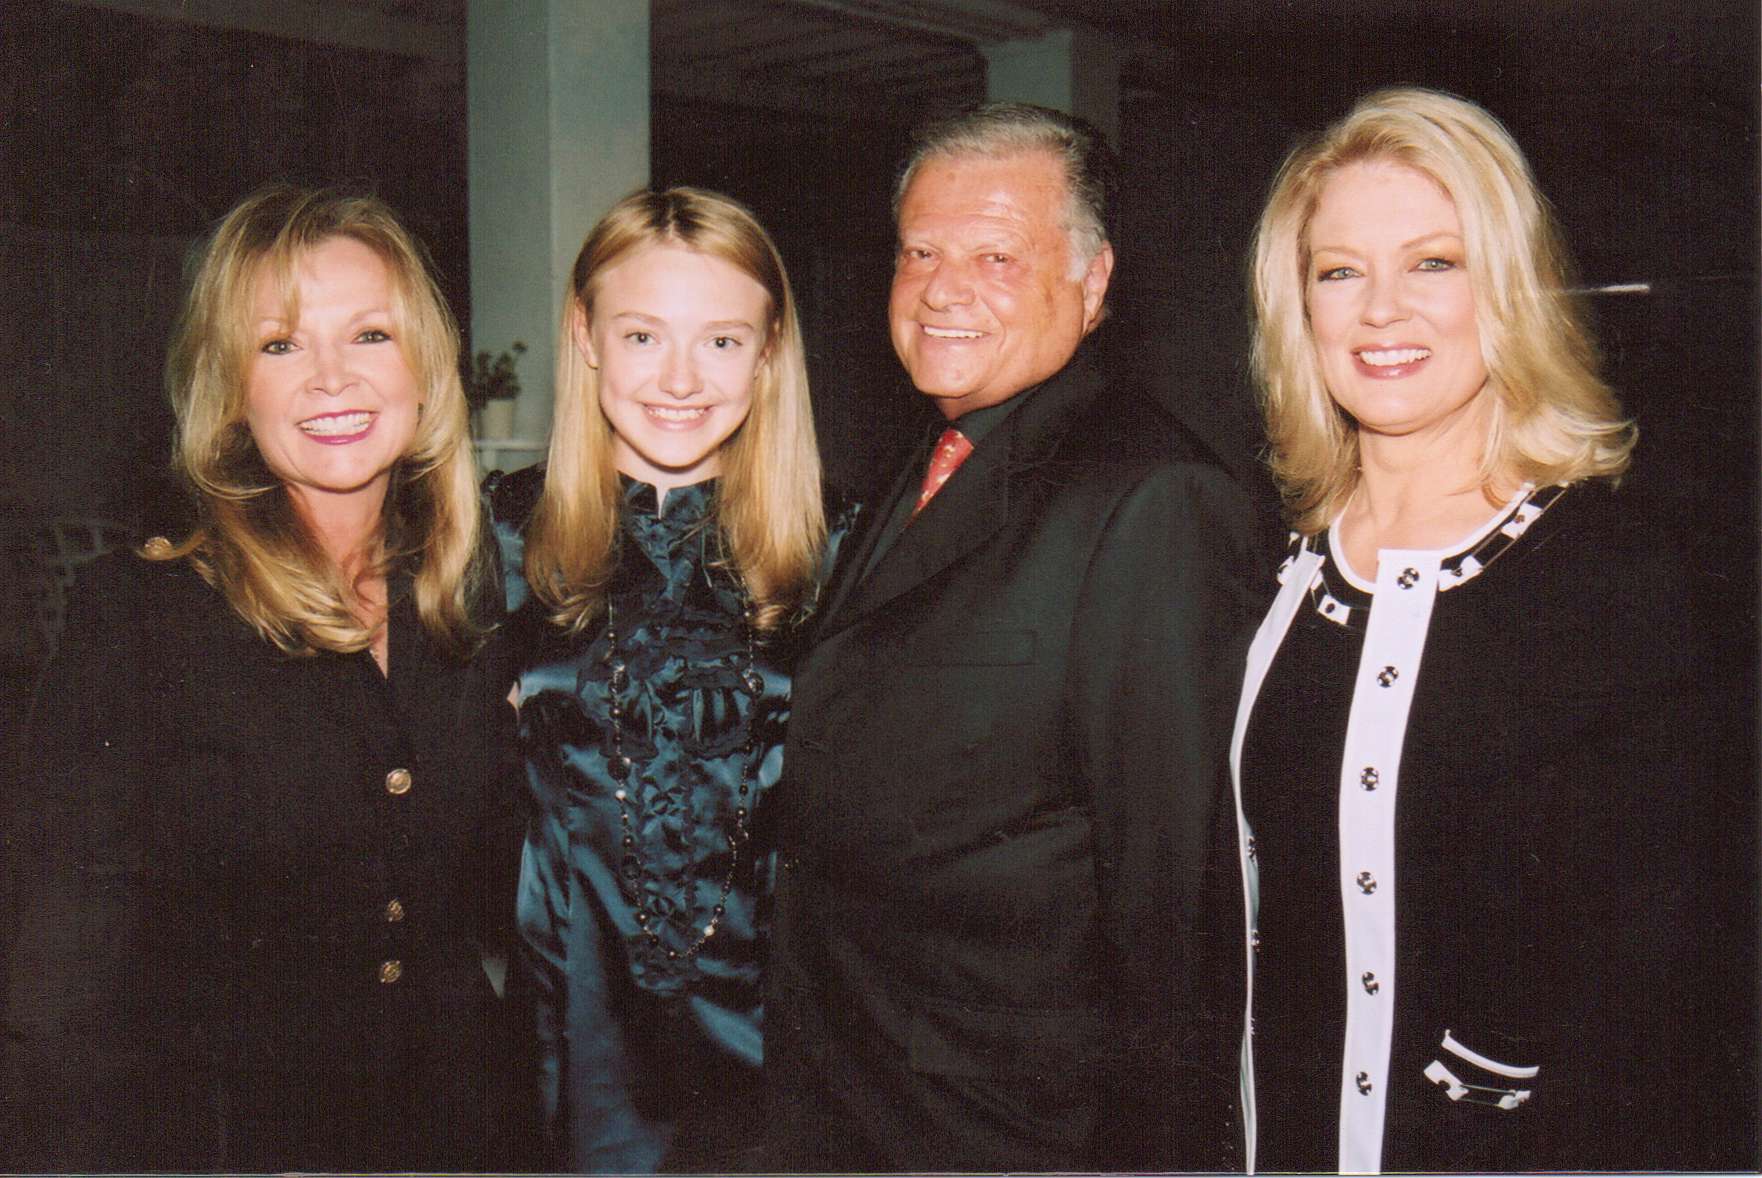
{"x":1162,"y":620}
{"x":80,"y":1017}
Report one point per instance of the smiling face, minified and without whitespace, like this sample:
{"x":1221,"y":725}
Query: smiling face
{"x":330,"y":399}
{"x":984,"y":301}
{"x":677,"y":337}
{"x":1391,"y":308}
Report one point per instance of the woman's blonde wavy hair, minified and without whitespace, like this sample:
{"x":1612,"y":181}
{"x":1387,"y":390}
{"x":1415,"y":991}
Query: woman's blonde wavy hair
{"x":1554,"y":420}
{"x":249,"y":542}
{"x":768,"y":507}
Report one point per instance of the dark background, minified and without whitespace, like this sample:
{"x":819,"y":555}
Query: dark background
{"x":1639,"y":119}
{"x":122,"y":137}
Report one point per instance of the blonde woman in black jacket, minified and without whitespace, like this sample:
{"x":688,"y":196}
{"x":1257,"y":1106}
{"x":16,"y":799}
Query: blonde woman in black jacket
{"x":258,"y":853}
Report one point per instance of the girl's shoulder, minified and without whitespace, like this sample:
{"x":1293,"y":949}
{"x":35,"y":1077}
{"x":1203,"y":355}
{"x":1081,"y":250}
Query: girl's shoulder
{"x":842,"y":512}
{"x":511,"y":498}
{"x":509,"y":501}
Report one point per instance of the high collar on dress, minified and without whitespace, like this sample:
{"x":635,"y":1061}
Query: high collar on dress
{"x":660,"y":533}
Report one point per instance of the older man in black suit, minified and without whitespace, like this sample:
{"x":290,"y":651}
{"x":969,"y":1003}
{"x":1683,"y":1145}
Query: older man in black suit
{"x":1004,"y":760}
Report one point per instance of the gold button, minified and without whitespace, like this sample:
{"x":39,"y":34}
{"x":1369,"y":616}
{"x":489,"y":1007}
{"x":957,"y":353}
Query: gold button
{"x":158,"y":547}
{"x":391,"y":971}
{"x":394,"y":911}
{"x":397,"y":782}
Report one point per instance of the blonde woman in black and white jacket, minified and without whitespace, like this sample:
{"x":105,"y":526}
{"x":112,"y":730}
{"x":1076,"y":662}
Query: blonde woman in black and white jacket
{"x":1477,"y":844}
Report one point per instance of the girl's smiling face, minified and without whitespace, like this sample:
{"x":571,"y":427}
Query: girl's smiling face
{"x":677,"y":337}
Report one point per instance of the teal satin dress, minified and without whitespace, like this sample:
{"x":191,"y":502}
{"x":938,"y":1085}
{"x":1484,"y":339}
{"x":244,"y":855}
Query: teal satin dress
{"x":647,"y":1028}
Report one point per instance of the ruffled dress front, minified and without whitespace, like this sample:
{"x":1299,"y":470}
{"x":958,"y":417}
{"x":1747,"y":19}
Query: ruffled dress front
{"x":649,"y":1030}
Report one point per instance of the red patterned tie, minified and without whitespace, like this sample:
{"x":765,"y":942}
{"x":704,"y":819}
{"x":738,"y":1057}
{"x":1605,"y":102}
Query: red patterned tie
{"x":951,"y":450}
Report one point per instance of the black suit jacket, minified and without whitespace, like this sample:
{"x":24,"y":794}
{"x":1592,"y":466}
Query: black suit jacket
{"x":206,"y":851}
{"x":1005,"y":756}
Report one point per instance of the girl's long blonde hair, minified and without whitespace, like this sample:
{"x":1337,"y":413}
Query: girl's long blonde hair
{"x":249,"y":542}
{"x":768,"y":507}
{"x":1554,"y":419}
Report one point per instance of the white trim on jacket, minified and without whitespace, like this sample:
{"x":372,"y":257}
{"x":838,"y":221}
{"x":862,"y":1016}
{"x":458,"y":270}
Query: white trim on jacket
{"x":1407,"y":584}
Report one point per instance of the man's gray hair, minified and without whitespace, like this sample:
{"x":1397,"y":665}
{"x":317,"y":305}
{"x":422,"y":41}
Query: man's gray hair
{"x":1001,"y":129}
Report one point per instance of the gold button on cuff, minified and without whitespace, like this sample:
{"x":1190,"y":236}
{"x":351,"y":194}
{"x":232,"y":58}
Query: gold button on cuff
{"x":394,"y":911}
{"x":390,"y":971}
{"x":397,"y":782}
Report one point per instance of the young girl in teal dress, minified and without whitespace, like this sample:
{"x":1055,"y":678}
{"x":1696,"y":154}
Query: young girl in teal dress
{"x":659,"y":567}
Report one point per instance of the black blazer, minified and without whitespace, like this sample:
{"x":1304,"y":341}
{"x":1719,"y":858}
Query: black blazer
{"x":244,"y":944}
{"x":1005,"y":753}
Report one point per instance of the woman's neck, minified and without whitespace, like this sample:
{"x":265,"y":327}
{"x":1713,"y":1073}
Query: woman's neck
{"x":346,"y":527}
{"x":349,"y":530}
{"x":1417,"y":493}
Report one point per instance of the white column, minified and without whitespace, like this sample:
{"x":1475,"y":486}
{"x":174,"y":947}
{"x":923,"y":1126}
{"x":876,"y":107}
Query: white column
{"x":1073,"y":70}
{"x":558,"y":92}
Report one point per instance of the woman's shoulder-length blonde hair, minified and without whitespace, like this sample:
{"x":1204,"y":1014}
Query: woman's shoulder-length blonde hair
{"x":769,"y":504}
{"x":249,"y":541}
{"x":1554,"y":420}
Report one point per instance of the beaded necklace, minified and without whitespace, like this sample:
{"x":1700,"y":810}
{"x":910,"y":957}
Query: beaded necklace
{"x":632,"y":870}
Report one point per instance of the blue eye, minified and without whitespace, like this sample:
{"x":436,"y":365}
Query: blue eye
{"x":1336,"y":273}
{"x":276,"y":347}
{"x":373,"y":335}
{"x":1436,"y":264}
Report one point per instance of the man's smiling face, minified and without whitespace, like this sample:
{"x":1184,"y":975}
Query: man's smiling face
{"x":987,"y":299}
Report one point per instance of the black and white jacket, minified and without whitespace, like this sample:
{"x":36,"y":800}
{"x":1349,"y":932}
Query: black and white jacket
{"x":1495,"y":858}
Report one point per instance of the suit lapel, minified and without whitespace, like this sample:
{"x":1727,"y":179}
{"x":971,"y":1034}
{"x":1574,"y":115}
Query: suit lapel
{"x":970,"y":509}
{"x":416,"y":668}
{"x":963,"y":516}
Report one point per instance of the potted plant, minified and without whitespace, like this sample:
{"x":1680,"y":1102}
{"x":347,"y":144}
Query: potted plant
{"x":491,"y":384}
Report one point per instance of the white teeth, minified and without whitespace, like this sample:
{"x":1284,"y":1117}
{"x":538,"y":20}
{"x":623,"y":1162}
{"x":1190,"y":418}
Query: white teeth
{"x":950,"y":333}
{"x":1394,"y":356}
{"x":336,"y":424}
{"x":670,"y":413}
